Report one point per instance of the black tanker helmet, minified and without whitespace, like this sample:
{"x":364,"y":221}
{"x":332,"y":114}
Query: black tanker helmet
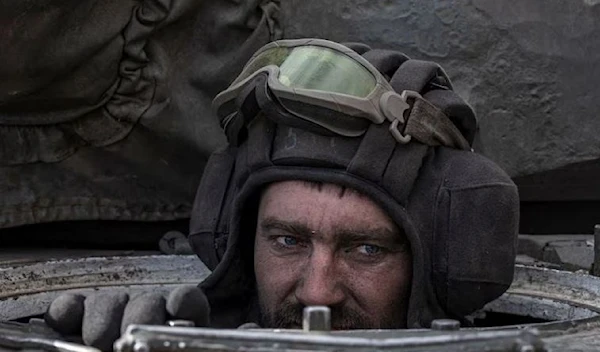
{"x":373,"y":120}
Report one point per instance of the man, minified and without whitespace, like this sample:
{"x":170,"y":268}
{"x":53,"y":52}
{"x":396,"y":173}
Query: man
{"x":348,"y":182}
{"x":333,"y":247}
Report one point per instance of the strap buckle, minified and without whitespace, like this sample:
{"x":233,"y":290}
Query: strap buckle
{"x":394,"y":106}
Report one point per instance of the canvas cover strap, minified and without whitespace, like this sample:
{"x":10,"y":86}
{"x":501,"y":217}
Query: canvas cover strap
{"x":373,"y":154}
{"x":431,"y":126}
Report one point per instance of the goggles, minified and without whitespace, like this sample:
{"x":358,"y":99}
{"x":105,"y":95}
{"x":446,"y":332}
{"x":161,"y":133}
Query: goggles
{"x":324,"y":83}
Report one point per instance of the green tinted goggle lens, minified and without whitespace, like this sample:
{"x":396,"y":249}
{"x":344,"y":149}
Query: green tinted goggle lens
{"x":315,"y":68}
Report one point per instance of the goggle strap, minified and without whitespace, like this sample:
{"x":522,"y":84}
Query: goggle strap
{"x":381,"y":160}
{"x":458,"y":111}
{"x":429,"y":125}
{"x":386,"y":62}
{"x":360,"y":48}
{"x":416,"y":75}
{"x":373,"y":154}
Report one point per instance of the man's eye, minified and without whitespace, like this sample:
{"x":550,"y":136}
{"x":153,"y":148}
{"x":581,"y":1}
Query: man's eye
{"x":369,"y":249}
{"x":287,"y":241}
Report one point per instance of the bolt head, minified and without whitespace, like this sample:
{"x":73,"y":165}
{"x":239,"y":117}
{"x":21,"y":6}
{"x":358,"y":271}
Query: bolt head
{"x":316,"y":318}
{"x":181,"y":323}
{"x":141,"y":347}
{"x":445,"y":325}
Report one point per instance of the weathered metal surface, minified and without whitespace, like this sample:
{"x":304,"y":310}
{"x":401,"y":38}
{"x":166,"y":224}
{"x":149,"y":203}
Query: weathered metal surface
{"x":585,"y":341}
{"x":569,"y":301}
{"x":158,"y":338}
{"x":568,"y":252}
{"x":596,"y":265}
{"x":20,"y":337}
{"x":12,"y":257}
{"x":538,"y":308}
{"x":529,"y":68}
{"x":550,"y":295}
{"x":27,"y":290}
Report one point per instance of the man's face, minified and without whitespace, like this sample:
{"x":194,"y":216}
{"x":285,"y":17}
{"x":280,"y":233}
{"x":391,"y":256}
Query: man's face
{"x":321,"y":244}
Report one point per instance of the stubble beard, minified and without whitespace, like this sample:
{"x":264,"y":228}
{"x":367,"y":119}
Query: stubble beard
{"x":288,"y":315}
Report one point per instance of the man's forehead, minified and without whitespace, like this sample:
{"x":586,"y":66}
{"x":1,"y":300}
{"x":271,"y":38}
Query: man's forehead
{"x":322,"y":205}
{"x":332,"y":188}
{"x":307,"y":187}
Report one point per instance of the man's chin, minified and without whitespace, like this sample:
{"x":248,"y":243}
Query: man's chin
{"x":289,"y":316}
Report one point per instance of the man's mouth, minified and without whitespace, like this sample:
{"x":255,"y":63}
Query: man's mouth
{"x":289,"y":316}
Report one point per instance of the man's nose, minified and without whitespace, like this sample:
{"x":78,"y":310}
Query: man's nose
{"x":320,"y":284}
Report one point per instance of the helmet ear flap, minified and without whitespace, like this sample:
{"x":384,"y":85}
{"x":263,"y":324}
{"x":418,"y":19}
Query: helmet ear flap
{"x":475,"y":239}
{"x":420,"y":76}
{"x":210,"y":215}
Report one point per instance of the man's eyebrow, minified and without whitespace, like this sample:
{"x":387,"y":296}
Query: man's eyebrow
{"x":294,"y":227}
{"x":345,"y":235}
{"x":380,"y":233}
{"x":370,"y":234}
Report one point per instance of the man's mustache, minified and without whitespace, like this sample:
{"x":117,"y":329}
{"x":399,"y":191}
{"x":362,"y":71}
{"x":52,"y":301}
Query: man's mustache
{"x":289,"y":316}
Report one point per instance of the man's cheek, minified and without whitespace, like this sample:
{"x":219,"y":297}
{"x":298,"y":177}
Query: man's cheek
{"x":279,"y":280}
{"x":382,"y":292}
{"x":275,"y":278}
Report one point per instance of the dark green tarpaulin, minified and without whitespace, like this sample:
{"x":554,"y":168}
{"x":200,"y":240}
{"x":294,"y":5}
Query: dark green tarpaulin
{"x":105,"y":105}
